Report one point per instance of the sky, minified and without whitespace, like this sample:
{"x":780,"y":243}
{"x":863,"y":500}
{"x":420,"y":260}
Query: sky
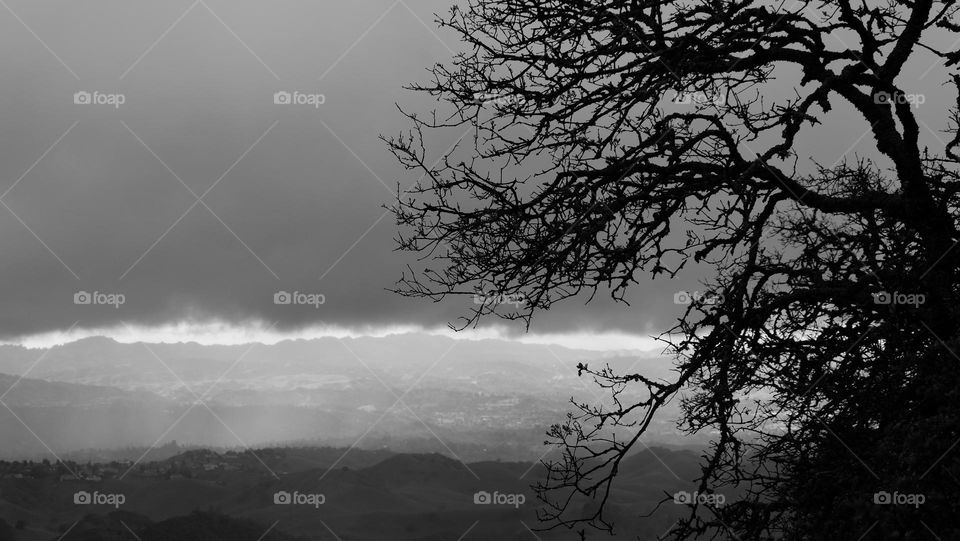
{"x":152,"y":186}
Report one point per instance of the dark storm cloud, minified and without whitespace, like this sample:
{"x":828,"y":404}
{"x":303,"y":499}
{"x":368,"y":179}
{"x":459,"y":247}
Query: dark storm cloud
{"x":295,"y":191}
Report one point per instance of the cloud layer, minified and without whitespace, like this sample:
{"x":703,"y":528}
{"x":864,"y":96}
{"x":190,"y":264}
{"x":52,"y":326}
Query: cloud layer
{"x":198,"y":197}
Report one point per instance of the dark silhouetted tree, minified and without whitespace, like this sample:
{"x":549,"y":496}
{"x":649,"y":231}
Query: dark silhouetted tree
{"x":823,"y":362}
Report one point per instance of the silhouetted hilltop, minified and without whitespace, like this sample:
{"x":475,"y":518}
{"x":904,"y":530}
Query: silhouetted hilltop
{"x":207,"y":495}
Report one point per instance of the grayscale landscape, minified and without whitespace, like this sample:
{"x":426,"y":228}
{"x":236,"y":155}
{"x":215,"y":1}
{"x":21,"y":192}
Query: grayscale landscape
{"x":457,"y":270}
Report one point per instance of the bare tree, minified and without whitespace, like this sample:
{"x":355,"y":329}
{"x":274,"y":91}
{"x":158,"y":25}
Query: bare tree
{"x":824,"y":358}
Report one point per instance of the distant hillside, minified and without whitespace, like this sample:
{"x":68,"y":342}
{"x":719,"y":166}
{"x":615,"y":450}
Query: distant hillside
{"x":401,"y":497}
{"x":324,"y":363}
{"x":484,"y":399}
{"x":26,"y":392}
{"x":197,"y":526}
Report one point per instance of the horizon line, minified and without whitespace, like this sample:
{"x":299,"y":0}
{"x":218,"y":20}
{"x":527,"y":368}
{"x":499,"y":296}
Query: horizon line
{"x":222,"y":334}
